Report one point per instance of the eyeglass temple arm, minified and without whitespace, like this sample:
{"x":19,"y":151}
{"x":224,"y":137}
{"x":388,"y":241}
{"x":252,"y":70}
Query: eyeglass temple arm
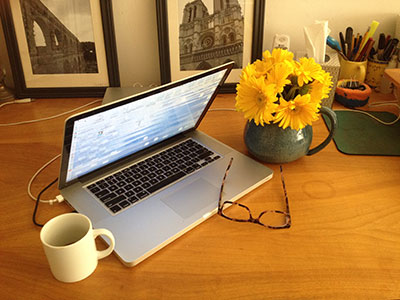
{"x":284,"y":191}
{"x":223,"y":183}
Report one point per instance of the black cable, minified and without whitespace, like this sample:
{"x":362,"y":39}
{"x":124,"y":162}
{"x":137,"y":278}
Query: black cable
{"x":37,"y":203}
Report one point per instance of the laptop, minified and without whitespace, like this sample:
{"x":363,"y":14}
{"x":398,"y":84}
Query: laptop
{"x":116,"y":93}
{"x":139,"y":167}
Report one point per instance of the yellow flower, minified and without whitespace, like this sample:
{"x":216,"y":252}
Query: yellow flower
{"x":327,"y":82}
{"x":307,"y":70}
{"x":296,"y":113}
{"x":278,"y":55}
{"x":262,"y":67}
{"x":279,"y":75}
{"x":316,"y":92}
{"x":300,"y":87}
{"x":320,"y":90}
{"x":256,"y":99}
{"x":247,"y":72}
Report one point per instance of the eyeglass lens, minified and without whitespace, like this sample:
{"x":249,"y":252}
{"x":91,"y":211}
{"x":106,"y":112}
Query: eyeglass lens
{"x":241,"y":213}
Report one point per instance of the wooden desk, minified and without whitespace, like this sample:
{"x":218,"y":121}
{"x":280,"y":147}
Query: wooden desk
{"x":344,"y":242}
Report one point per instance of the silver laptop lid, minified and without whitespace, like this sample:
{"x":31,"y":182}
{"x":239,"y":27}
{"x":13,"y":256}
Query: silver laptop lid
{"x":103,"y":136}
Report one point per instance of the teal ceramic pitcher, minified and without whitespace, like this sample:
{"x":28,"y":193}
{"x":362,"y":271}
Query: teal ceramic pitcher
{"x":273,"y":144}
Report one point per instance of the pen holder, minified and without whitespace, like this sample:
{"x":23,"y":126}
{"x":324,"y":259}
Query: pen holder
{"x":375,"y":70}
{"x":354,"y":70}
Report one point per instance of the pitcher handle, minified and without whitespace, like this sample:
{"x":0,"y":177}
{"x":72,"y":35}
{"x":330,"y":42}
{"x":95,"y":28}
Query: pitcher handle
{"x":333,"y":120}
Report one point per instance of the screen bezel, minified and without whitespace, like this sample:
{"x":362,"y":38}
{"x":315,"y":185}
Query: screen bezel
{"x":69,"y":123}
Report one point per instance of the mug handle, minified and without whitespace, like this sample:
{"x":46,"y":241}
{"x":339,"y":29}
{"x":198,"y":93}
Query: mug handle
{"x":107,"y":233}
{"x":363,"y":73}
{"x":333,"y":119}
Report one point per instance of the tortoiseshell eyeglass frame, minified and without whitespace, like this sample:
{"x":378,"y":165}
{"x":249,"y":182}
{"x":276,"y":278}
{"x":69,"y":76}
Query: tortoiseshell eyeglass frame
{"x":221,"y":206}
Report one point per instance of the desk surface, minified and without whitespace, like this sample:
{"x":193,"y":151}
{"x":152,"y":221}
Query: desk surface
{"x":344,"y":242}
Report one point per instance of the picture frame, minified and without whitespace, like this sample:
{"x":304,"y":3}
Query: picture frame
{"x":173,"y":56}
{"x":85,"y":69}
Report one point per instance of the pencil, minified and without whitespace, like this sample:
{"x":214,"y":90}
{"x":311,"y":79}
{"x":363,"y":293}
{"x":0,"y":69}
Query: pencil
{"x":364,"y":50}
{"x":360,"y":47}
{"x":365,"y":57}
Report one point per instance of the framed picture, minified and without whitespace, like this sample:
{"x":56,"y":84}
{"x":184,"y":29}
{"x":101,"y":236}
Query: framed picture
{"x":198,"y":35}
{"x":60,"y":48}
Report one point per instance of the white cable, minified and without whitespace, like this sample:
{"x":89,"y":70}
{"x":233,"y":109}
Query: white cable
{"x":151,"y":85}
{"x":355,"y":110}
{"x":372,"y":116}
{"x":47,"y":118}
{"x":58,"y":198}
{"x":17,"y":101}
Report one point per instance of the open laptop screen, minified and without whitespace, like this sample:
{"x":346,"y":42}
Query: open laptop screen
{"x":109,"y":135}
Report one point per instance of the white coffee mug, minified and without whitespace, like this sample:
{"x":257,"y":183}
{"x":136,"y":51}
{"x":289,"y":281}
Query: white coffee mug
{"x":69,"y":243}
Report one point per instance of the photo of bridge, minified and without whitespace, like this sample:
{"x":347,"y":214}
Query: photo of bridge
{"x":55,"y":46}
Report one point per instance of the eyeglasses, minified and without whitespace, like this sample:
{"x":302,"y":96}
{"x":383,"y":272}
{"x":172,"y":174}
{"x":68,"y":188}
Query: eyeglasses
{"x":274,"y":219}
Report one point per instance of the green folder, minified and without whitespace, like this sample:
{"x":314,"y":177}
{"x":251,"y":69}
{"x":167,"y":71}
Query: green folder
{"x":360,"y":134}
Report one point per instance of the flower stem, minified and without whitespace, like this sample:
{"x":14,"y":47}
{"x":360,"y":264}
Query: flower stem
{"x":292,"y":92}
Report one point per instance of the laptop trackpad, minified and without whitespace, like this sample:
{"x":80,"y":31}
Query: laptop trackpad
{"x":192,"y":198}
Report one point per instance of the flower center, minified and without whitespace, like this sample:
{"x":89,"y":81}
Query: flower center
{"x":292,"y":105}
{"x":260,"y":99}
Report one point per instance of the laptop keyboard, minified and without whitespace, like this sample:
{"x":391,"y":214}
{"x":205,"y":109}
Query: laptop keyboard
{"x":124,"y":188}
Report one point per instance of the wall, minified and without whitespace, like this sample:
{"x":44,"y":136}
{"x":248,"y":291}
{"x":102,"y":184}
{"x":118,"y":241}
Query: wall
{"x":137,"y":41}
{"x":289,"y":17}
{"x":136,"y":28}
{"x":138,"y":53}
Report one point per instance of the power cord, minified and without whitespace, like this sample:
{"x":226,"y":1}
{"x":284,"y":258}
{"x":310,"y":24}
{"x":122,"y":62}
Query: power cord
{"x":58,"y":199}
{"x":372,"y":116}
{"x":151,"y":85}
{"x":27,"y":100}
{"x":355,"y":110}
{"x":37,"y":203}
{"x":17,"y":101}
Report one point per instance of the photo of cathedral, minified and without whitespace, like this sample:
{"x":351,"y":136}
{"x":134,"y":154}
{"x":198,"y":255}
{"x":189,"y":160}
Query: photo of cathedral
{"x":210,"y":35}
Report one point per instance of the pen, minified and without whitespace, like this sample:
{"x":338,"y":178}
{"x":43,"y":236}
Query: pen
{"x":372,"y":53}
{"x":361,"y":43}
{"x":365,"y":57}
{"x":387,"y":54}
{"x":342,"y":42}
{"x":387,"y":39}
{"x":364,"y":50}
{"x":349,"y":41}
{"x":381,"y":46}
{"x":357,"y":42}
{"x":334,"y":44}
